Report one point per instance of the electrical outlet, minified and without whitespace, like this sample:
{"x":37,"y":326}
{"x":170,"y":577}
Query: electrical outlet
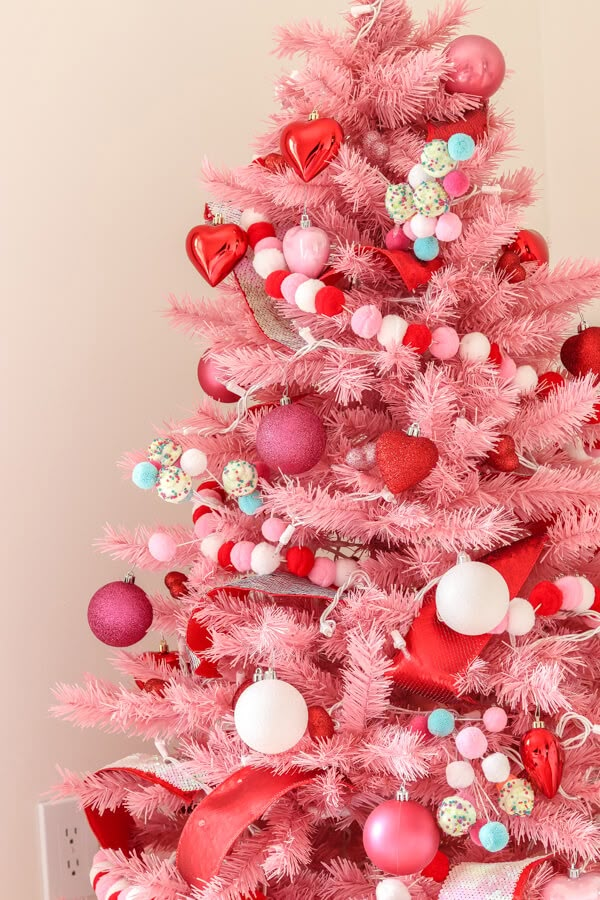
{"x":68,"y":847}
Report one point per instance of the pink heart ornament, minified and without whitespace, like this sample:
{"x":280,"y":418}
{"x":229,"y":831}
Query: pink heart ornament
{"x":565,"y":887}
{"x":306,"y":250}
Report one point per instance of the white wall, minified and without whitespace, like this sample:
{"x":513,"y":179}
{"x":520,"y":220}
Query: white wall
{"x":108,"y":108}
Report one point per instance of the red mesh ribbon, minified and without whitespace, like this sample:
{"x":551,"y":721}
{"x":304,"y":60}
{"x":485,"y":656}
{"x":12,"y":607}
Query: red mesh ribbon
{"x":413,"y":272}
{"x":475,"y":124}
{"x":223,"y":815}
{"x":438,"y":655}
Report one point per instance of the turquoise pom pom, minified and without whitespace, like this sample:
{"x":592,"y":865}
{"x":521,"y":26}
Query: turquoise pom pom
{"x":461,"y":147}
{"x":144,"y":475}
{"x":249,"y":503}
{"x":440,"y":722}
{"x":426,"y":249}
{"x":493,"y":836}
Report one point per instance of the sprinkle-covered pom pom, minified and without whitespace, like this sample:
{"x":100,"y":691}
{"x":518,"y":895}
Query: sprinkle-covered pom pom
{"x":173,"y":485}
{"x":322,"y":572}
{"x":426,"y":249}
{"x":145,"y":475}
{"x":289,"y":286}
{"x":474,"y":347}
{"x":366,"y":321}
{"x":329,"y":301}
{"x":162,"y":546}
{"x":431,"y":200}
{"x":392,"y":331}
{"x":449,"y":227}
{"x":456,"y":184}
{"x":455,"y":816}
{"x":444,"y":342}
{"x":495,"y":719}
{"x":239,"y":477}
{"x":435,"y":158}
{"x":268,"y":261}
{"x":306,"y":295}
{"x":440,"y":722}
{"x":493,"y":836}
{"x":264,"y":559}
{"x":164,"y":452}
{"x":417,"y":336}
{"x":516,"y":797}
{"x":461,"y":146}
{"x":193,"y":462}
{"x":273,"y":283}
{"x":250,"y":503}
{"x":423,"y":226}
{"x":241,"y":555}
{"x":399,"y":202}
{"x":251,"y":217}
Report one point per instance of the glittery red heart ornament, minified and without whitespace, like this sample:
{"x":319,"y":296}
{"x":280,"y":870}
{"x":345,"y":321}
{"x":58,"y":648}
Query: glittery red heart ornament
{"x":504,"y":456}
{"x":215,"y":250}
{"x":510,"y":266}
{"x":320,"y":723}
{"x":404,"y":460}
{"x":580,"y":354}
{"x":309,"y":147}
{"x":176,"y":583}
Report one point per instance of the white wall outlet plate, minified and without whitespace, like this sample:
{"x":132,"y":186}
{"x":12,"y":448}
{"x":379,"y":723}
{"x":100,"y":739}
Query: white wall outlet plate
{"x":67,"y":850}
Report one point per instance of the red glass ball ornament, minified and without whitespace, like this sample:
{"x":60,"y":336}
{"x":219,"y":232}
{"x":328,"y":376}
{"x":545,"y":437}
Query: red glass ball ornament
{"x":176,"y":584}
{"x":401,"y":837}
{"x":530,"y":246}
{"x":580,"y":354}
{"x":438,"y":868}
{"x":119,"y":613}
{"x":320,"y":723}
{"x":224,"y":555}
{"x":543,"y":759}
{"x":209,"y":379}
{"x":300,"y":561}
{"x":509,"y":265}
{"x":404,"y":460}
{"x":240,"y":691}
{"x":310,"y":146}
{"x":504,"y":457}
{"x":273,"y":283}
{"x":418,"y":337}
{"x":546,"y":598}
{"x":329,"y":301}
{"x":215,"y":250}
{"x":548,"y":382}
{"x":291,"y":438}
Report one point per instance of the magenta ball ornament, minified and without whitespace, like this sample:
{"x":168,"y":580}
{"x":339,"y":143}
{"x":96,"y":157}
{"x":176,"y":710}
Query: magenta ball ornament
{"x":291,"y":438}
{"x":478,"y":66}
{"x":401,"y":837}
{"x":210,"y":380}
{"x":119,"y":613}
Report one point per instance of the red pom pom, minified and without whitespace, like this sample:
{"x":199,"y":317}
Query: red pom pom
{"x":596,"y":606}
{"x":200,"y":511}
{"x":438,"y":868}
{"x":273,"y":283}
{"x":418,"y":337}
{"x":224,"y":555}
{"x":495,"y":356}
{"x":320,"y":723}
{"x":329,"y":301}
{"x":546,"y":598}
{"x":176,"y":584}
{"x":300,"y":560}
{"x":213,"y":486}
{"x":240,"y":691}
{"x":548,"y":382}
{"x":258,"y":231}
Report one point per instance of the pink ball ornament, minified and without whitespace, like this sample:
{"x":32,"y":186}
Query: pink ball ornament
{"x":495,"y":719}
{"x":478,"y":66}
{"x":210,"y":381}
{"x":205,"y":525}
{"x":401,"y":837}
{"x":322,"y":572}
{"x":395,"y":239}
{"x":291,"y":438}
{"x":272,"y":529}
{"x":572,"y":592}
{"x":423,"y":226}
{"x":456,"y":183}
{"x":290,"y":285}
{"x":119,"y":613}
{"x":573,"y":887}
{"x":449,"y":227}
{"x":306,"y":250}
{"x":264,"y":559}
{"x":241,"y":555}
{"x":162,"y":546}
{"x":268,"y":243}
{"x":471,"y":742}
{"x":366,"y":321}
{"x":444,"y":342}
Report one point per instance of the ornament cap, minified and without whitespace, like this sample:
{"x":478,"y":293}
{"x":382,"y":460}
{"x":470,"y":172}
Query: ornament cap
{"x":163,"y":647}
{"x":314,"y":115}
{"x":539,"y":723}
{"x":218,"y":219}
{"x":270,"y":674}
{"x":129,"y":578}
{"x":305,"y":220}
{"x":413,"y":430}
{"x":462,"y":558}
{"x":285,"y":401}
{"x":402,"y":795}
{"x":258,"y":675}
{"x":574,"y":872}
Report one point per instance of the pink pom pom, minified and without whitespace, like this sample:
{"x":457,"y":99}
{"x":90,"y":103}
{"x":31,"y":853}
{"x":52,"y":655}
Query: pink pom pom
{"x":205,"y":525}
{"x":444,"y":342}
{"x":240,"y":556}
{"x":423,"y":226}
{"x":501,"y":627}
{"x":289,"y":286}
{"x":456,"y":183}
{"x":162,"y":546}
{"x":322,"y":572}
{"x":418,"y":724}
{"x":507,"y":367}
{"x":272,"y":529}
{"x":474,"y":832}
{"x":343,"y":570}
{"x":572,"y":591}
{"x":395,"y":239}
{"x":471,"y":742}
{"x":406,"y":228}
{"x":366,"y":321}
{"x":495,"y":719}
{"x":449,"y":227}
{"x":268,"y":243}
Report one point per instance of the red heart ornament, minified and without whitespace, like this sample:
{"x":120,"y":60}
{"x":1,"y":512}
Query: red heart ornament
{"x":404,"y":460}
{"x":215,"y":250}
{"x":509,"y":265}
{"x":580,"y":353}
{"x":309,"y":147}
{"x":504,"y":456}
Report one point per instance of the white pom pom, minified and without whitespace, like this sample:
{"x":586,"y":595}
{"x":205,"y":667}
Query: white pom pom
{"x":417,"y":176}
{"x":521,"y":617}
{"x":525,"y":378}
{"x":306,"y":293}
{"x":343,"y":569}
{"x":460,"y":774}
{"x":264,"y":559}
{"x":392,"y":889}
{"x":393,"y":328}
{"x":474,"y":347}
{"x":252,"y":217}
{"x":496,"y":767}
{"x":193,"y":461}
{"x":210,"y":546}
{"x":267,"y":261}
{"x":423,"y":226}
{"x":589,"y":594}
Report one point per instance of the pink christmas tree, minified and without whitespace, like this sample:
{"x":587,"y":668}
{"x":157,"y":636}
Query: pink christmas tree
{"x":383,"y":582}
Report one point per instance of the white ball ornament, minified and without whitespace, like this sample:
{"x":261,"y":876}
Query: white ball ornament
{"x":264,"y":559}
{"x":306,"y":294}
{"x":589,"y":594}
{"x":496,"y":767}
{"x":525,"y":378}
{"x":251,"y":217}
{"x":267,"y":261}
{"x":271,"y":716}
{"x":521,"y":617}
{"x":418,"y":175}
{"x":472,"y":598}
{"x":193,"y":461}
{"x":210,"y":546}
{"x":392,"y":889}
{"x":460,"y":774}
{"x":474,"y":347}
{"x":392,"y":331}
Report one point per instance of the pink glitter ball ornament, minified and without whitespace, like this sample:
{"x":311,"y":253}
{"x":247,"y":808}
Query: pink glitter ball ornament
{"x":291,"y":438}
{"x":119,"y":613}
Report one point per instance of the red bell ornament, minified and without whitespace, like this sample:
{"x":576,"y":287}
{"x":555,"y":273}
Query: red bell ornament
{"x":543,"y":759}
{"x":310,"y":146}
{"x":580,"y":354}
{"x":530,"y":246}
{"x":216,"y":249}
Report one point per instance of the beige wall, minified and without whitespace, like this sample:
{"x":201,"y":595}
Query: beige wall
{"x":108,"y":108}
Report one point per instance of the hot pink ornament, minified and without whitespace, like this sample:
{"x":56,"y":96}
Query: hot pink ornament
{"x":395,"y":239}
{"x":289,"y":286}
{"x":306,"y":250}
{"x":366,"y":321}
{"x":573,"y":887}
{"x":478,"y":66}
{"x":241,"y":554}
{"x":471,"y":742}
{"x":572,"y":591}
{"x":456,"y":183}
{"x":119,"y":613}
{"x":210,"y":380}
{"x":401,"y":837}
{"x":291,"y":438}
{"x":444,"y":342}
{"x":322,"y":572}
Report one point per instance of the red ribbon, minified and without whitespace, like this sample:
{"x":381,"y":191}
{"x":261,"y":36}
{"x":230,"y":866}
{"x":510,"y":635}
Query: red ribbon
{"x":413,"y":271}
{"x":474,"y":123}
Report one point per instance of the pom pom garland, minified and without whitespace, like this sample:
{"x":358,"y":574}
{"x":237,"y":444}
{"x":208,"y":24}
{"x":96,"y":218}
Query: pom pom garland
{"x":329,"y":301}
{"x":417,"y":336}
{"x":438,"y":868}
{"x":267,"y":261}
{"x":343,"y":570}
{"x":444,"y":342}
{"x":521,"y":617}
{"x":392,"y":330}
{"x":300,"y":561}
{"x":474,"y":347}
{"x":205,"y":525}
{"x":366,"y":321}
{"x":241,"y":556}
{"x":274,"y":282}
{"x":162,"y":546}
{"x":525,"y":379}
{"x":272,"y":529}
{"x":495,"y":719}
{"x":224,"y":555}
{"x":306,"y":295}
{"x":264,"y":559}
{"x":210,"y":546}
{"x":290,"y":285}
{"x":193,"y":462}
{"x":251,"y":217}
{"x":571,"y":590}
{"x":322,"y":572}
{"x":258,"y":231}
